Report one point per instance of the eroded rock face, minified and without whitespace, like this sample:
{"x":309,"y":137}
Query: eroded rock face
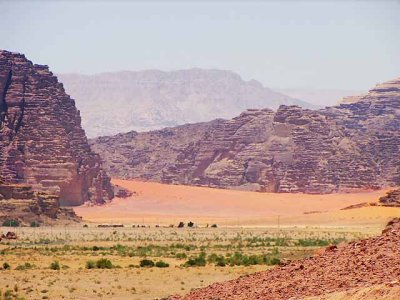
{"x":392,"y":198}
{"x":19,"y":202}
{"x":41,"y":139}
{"x":348,"y":147}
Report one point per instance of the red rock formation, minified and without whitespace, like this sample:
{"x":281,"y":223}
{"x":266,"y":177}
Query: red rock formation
{"x":41,"y":139}
{"x":356,"y":265}
{"x":20,"y":203}
{"x":349,"y":147}
{"x":392,"y":198}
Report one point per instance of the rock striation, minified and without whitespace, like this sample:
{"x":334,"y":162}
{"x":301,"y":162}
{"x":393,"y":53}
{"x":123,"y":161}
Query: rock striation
{"x":392,"y":198}
{"x":18,"y":202}
{"x":352,"y":146}
{"x":41,"y":139}
{"x":357,"y":265}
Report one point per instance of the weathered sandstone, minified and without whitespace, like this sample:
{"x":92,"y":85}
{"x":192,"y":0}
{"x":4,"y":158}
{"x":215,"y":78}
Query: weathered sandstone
{"x":353,"y":146}
{"x":20,"y":203}
{"x":392,"y":198}
{"x":41,"y":139}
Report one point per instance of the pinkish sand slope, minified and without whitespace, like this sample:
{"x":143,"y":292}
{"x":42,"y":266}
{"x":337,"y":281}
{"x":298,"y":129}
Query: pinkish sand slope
{"x":164,"y":204}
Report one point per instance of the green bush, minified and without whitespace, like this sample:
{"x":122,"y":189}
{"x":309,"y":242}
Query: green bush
{"x":25,"y":266}
{"x":35,"y":224}
{"x":199,"y":261}
{"x":162,"y":264}
{"x":6,"y":266}
{"x":104,"y":263}
{"x":11,"y":223}
{"x":55,"y":265}
{"x":90,"y":264}
{"x":181,"y":255}
{"x":146,"y":263}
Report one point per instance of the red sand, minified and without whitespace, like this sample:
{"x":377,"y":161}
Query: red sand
{"x":157,"y":202}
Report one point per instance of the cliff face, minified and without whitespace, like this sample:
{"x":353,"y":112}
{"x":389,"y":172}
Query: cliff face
{"x":20,"y":203}
{"x":41,"y":139}
{"x":348,"y":147}
{"x":112,"y":103}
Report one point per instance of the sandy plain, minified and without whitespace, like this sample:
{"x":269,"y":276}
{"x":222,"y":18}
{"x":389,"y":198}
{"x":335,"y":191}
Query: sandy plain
{"x":286,"y":226}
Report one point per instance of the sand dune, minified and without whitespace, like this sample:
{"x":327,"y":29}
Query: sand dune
{"x":161,"y":203}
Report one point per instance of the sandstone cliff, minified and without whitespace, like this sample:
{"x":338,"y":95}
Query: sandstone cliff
{"x":41,"y":139}
{"x":347,"y":147}
{"x":112,"y":103}
{"x":18,"y":202}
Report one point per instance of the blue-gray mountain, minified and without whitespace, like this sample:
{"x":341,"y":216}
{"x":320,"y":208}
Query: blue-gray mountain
{"x":111,"y":103}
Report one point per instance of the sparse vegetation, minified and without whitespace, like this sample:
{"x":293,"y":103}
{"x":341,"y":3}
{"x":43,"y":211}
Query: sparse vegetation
{"x":102,"y":263}
{"x":144,"y":254}
{"x":11,"y":223}
{"x":55,"y":265}
{"x":35,"y":224}
{"x":25,"y":266}
{"x":146,"y":263}
{"x":162,"y":264}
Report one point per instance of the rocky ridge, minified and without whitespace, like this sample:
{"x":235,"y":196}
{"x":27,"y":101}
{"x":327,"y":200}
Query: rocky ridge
{"x":18,"y":202}
{"x":112,"y":103}
{"x":41,"y":139}
{"x":357,"y":265}
{"x":352,"y":146}
{"x":392,"y":198}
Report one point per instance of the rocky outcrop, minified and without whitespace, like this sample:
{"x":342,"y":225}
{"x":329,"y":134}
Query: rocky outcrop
{"x":41,"y":139}
{"x":392,"y":198}
{"x":112,"y":103}
{"x":338,"y":268}
{"x":353,"y":146}
{"x":18,"y":202}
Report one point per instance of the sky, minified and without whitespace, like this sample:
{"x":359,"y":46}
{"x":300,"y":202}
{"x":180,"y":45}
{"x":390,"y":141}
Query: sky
{"x":286,"y":44}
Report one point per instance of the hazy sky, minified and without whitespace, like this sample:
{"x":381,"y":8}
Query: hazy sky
{"x":287,"y":44}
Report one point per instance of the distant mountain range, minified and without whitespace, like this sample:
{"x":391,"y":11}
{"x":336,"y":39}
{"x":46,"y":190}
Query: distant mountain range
{"x":351,"y":146}
{"x":111,"y":103}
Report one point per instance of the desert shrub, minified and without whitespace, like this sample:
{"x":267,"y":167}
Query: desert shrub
{"x":162,"y":264}
{"x":181,"y":255}
{"x":104,"y":263}
{"x":199,"y":261}
{"x":218,"y":260}
{"x":55,"y":265}
{"x":90,"y":264}
{"x":6,"y":266}
{"x":35,"y":224}
{"x":25,"y":266}
{"x":85,"y":226}
{"x":11,"y":223}
{"x":146,"y":263}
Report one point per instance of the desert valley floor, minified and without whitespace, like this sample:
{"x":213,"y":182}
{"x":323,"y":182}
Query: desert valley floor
{"x":163,"y":204}
{"x":255,"y":231}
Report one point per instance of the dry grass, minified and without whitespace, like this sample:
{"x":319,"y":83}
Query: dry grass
{"x":249,"y":223}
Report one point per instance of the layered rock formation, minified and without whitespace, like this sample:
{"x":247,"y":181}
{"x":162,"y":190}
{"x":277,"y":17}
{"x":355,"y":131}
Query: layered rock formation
{"x":41,"y":139}
{"x":112,"y":103}
{"x":347,"y":147}
{"x":18,"y":202}
{"x":358,"y":265}
{"x":392,"y":198}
